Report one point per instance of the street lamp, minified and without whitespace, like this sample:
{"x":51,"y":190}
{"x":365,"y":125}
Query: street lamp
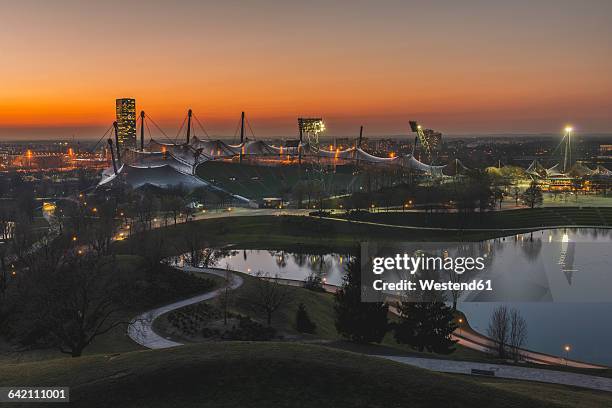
{"x":460,"y":321}
{"x":567,"y":348}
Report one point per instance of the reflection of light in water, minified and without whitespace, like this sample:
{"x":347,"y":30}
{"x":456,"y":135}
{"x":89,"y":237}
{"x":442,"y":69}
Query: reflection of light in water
{"x":566,"y":257}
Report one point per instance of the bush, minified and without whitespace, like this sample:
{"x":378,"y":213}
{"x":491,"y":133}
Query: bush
{"x":314,"y":282}
{"x":302,"y":321}
{"x":249,"y":330}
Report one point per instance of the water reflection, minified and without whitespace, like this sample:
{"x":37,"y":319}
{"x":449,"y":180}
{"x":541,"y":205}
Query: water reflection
{"x":287,"y":265}
{"x":578,"y":265}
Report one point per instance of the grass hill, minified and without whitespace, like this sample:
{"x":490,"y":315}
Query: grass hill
{"x":514,"y":219}
{"x":275,"y":375}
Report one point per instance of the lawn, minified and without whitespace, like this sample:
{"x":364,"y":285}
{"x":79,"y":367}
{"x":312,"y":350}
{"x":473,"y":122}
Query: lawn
{"x":509,"y":219}
{"x":234,"y":374}
{"x":311,"y":234}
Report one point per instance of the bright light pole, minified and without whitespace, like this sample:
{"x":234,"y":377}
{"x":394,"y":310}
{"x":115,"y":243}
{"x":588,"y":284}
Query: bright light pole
{"x":568,"y":138}
{"x":567,"y":348}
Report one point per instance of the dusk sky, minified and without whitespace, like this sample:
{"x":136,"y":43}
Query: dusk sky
{"x":456,"y":66}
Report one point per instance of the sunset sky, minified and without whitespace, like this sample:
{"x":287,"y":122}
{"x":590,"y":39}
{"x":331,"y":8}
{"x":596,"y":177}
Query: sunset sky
{"x":458,"y":66}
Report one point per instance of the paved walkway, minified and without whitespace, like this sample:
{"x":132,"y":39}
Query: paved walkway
{"x":140,"y":328}
{"x":413,"y":227}
{"x":512,"y":372}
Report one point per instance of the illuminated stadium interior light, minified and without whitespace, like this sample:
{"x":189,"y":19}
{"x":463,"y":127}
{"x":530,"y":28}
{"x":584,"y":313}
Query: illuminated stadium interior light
{"x":311,"y":125}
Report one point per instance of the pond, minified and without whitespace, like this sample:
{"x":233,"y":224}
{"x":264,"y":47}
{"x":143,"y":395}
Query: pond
{"x":287,"y":265}
{"x":569,"y":268}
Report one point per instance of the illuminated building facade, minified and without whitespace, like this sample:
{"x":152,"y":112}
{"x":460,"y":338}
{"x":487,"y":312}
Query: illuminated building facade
{"x":126,"y":122}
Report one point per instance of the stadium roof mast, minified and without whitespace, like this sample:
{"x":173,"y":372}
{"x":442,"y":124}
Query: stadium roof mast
{"x":567,"y":156}
{"x":110,"y":144}
{"x":189,"y":113}
{"x":418,"y":129}
{"x":241,"y":135}
{"x":116,"y":127}
{"x":142,"y":123}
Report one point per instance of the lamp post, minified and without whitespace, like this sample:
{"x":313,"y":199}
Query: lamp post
{"x":460,"y":321}
{"x":567,"y":348}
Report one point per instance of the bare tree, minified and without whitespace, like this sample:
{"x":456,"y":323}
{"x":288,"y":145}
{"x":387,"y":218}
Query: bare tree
{"x":225,"y":298}
{"x":65,"y":297}
{"x":455,"y":277}
{"x":193,"y":243}
{"x":499,"y":329}
{"x":102,"y":229}
{"x":267,"y":295}
{"x":518,"y":333}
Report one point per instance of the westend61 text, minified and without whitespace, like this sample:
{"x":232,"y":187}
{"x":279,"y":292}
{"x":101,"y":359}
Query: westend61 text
{"x":430,"y":284}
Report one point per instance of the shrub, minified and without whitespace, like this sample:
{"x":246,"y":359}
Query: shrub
{"x":249,"y":330}
{"x":302,"y":321}
{"x":314,"y":282}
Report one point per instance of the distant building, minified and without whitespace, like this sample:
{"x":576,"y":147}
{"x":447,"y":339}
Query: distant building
{"x":605,"y":150}
{"x":126,"y":121}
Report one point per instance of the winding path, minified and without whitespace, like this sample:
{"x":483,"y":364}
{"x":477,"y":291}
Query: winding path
{"x":510,"y":372}
{"x":141,"y":331}
{"x":140,"y":328}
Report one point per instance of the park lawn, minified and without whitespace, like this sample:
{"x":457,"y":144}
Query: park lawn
{"x":508,"y":219}
{"x":241,"y":374}
{"x":292,"y":233}
{"x":552,"y":393}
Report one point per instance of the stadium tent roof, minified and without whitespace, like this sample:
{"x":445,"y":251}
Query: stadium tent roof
{"x":214,"y":148}
{"x":536,"y":169}
{"x":454,"y":168}
{"x":255,"y":148}
{"x":601,"y":171}
{"x":161,"y":176}
{"x":579,"y":170}
{"x":554,"y":171}
{"x":173,"y":167}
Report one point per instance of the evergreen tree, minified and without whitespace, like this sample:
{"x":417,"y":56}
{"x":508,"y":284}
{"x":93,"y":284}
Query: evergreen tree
{"x":303,"y":322}
{"x":426,"y":326}
{"x":533,"y":195}
{"x":358,"y":321}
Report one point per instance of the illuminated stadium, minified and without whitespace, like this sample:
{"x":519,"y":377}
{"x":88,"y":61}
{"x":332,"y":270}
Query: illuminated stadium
{"x":254,"y":169}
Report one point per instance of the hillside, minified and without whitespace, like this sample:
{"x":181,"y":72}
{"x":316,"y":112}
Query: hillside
{"x":271,"y":375}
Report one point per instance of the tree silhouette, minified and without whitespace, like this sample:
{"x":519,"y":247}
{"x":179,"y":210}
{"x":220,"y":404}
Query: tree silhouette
{"x":358,"y":321}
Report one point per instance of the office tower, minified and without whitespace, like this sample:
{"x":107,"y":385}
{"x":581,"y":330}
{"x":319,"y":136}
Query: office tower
{"x":126,"y":122}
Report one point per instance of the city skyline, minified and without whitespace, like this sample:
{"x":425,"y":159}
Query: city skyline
{"x":478,"y":67}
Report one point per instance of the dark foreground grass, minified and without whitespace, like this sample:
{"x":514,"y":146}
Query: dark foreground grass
{"x":274,"y":375}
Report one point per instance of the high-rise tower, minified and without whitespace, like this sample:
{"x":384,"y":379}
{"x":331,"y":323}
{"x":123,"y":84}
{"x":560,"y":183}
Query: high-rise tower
{"x":126,"y":121}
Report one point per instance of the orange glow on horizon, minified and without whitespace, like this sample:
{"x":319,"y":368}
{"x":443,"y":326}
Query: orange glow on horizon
{"x":530,"y":75}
